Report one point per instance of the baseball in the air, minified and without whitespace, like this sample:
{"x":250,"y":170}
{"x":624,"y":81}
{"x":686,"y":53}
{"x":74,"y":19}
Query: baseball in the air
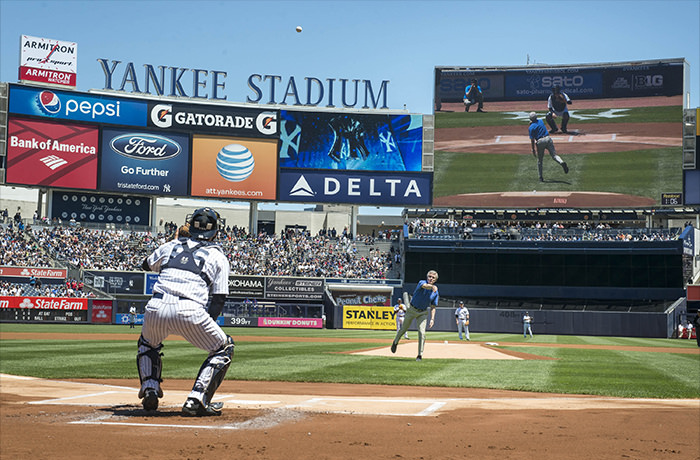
{"x":298,"y":28}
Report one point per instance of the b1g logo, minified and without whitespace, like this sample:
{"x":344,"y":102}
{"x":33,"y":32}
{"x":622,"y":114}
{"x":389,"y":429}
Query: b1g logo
{"x":648,"y":81}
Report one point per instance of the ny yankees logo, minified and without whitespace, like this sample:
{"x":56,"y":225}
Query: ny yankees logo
{"x":387,"y":139}
{"x":290,"y":141}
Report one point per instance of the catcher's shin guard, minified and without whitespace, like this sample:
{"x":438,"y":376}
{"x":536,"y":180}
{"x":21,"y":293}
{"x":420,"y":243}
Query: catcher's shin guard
{"x":213,"y":371}
{"x":550,"y":121}
{"x":150,"y":367}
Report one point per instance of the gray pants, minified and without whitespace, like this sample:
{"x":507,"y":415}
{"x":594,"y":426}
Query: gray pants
{"x":421,"y":317}
{"x":546,"y":143}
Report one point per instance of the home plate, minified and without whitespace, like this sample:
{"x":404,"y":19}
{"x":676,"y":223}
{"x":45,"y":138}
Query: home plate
{"x":450,"y":350}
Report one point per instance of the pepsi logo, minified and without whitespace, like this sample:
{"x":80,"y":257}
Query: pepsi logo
{"x":235,"y":162}
{"x":49,"y":103}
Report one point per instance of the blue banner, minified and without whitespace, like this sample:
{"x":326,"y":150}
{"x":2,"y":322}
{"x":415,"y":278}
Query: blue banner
{"x":355,"y":187}
{"x":68,"y":105}
{"x":351,"y":141}
{"x":143,"y":162}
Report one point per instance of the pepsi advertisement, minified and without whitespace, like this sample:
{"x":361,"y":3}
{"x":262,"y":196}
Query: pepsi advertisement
{"x":351,"y":141}
{"x":144,"y":162}
{"x":233,"y":121}
{"x":357,"y":187}
{"x":68,"y":105}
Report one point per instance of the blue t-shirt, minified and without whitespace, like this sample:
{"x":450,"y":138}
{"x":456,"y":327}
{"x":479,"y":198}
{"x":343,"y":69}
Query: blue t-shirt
{"x":537,"y":130}
{"x":423,"y":298}
{"x":469,"y":88}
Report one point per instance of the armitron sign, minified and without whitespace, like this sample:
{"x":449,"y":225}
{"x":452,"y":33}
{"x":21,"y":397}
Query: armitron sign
{"x":48,"y":61}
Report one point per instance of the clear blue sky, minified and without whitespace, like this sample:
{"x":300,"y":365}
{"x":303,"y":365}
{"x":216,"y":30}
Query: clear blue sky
{"x":399,"y":41}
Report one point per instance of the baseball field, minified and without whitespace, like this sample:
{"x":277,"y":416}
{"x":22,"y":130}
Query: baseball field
{"x":70,"y":392}
{"x":620,"y":153}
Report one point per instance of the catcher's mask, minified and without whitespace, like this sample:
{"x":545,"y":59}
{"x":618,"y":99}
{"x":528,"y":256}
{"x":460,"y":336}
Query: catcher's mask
{"x":203,"y":223}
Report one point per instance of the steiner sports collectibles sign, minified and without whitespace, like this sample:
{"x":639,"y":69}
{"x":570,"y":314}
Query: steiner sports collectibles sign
{"x":47,"y":60}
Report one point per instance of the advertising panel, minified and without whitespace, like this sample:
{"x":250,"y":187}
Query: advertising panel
{"x":361,"y":317}
{"x":602,"y":135}
{"x":304,"y":323}
{"x":355,"y":187}
{"x":46,"y":60}
{"x":68,"y":105}
{"x":231,"y":121}
{"x":90,"y":207}
{"x":26,"y":272}
{"x":51,"y":154}
{"x":144,"y":162}
{"x":293,"y":288}
{"x":352,"y":141}
{"x":246,"y":286}
{"x":115,"y":282}
{"x":361,"y":298}
{"x":226,"y":167}
{"x":102,"y":311}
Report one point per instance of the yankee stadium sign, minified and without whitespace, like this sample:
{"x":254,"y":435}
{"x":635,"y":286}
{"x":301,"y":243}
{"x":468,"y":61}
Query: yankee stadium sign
{"x":266,"y":89}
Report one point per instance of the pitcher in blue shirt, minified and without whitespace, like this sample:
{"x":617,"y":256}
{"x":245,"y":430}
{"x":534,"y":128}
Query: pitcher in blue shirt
{"x":539,"y":137}
{"x":425,"y":297}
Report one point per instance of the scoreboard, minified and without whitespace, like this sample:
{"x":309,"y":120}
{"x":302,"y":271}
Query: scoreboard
{"x":44,"y":309}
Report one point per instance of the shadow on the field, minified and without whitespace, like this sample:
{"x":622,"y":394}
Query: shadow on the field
{"x":552,"y":181}
{"x":137,"y":411}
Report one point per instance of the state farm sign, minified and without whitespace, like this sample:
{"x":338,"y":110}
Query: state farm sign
{"x":26,"y":272}
{"x":43,"y":303}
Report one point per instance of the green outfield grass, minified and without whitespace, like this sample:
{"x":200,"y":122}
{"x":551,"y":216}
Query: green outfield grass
{"x":575,"y":371}
{"x":639,"y":172}
{"x":670,"y":114}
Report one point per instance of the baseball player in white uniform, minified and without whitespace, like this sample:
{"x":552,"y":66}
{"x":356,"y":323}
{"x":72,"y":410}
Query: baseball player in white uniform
{"x":191,"y":271}
{"x":462,"y":319}
{"x":400,"y":315}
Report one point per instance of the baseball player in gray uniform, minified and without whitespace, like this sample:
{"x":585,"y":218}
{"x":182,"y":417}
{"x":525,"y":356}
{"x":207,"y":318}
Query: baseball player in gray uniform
{"x":193,"y":272}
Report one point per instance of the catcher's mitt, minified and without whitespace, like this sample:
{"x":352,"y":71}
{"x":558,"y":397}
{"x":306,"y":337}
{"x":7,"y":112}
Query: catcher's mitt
{"x":466,"y":322}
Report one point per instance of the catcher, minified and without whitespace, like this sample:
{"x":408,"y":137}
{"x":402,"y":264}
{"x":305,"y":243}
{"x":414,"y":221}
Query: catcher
{"x":473,"y":95}
{"x":462,"y":319}
{"x":557,"y":107}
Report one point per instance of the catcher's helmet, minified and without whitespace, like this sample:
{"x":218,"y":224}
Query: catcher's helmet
{"x":204,"y":223}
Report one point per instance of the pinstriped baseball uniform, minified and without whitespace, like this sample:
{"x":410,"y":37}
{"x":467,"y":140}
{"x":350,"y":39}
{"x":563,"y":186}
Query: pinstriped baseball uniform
{"x":180,"y":297}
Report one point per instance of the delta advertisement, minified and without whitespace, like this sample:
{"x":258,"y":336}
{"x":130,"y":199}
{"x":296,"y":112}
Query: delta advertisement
{"x":236,"y":168}
{"x":362,"y":317}
{"x":355,"y":187}
{"x":66,"y":105}
{"x":144,"y":162}
{"x":351,"y":141}
{"x":91,"y":207}
{"x":45,"y":60}
{"x":50,"y":154}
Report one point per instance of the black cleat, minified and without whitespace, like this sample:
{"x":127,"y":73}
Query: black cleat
{"x":555,"y":130}
{"x":466,"y":109}
{"x":419,"y":358}
{"x":479,"y":110}
{"x":194,"y":408}
{"x":150,"y":400}
{"x":566,"y":168}
{"x":563,"y":130}
{"x":393,"y":347}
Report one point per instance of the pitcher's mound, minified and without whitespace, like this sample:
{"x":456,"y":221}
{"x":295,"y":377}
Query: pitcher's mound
{"x":450,"y":350}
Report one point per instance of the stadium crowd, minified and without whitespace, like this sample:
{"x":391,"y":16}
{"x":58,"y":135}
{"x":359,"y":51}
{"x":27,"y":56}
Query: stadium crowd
{"x":536,"y":231}
{"x":293,"y":253}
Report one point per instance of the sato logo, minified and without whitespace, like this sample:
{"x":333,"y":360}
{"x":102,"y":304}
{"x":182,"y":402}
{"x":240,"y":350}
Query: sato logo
{"x":145,"y":146}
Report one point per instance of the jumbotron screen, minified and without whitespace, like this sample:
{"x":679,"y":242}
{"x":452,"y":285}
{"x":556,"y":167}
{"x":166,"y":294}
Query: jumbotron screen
{"x":609,"y":135}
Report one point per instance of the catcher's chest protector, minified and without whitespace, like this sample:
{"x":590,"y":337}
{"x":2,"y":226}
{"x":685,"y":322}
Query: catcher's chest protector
{"x":185,"y":260}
